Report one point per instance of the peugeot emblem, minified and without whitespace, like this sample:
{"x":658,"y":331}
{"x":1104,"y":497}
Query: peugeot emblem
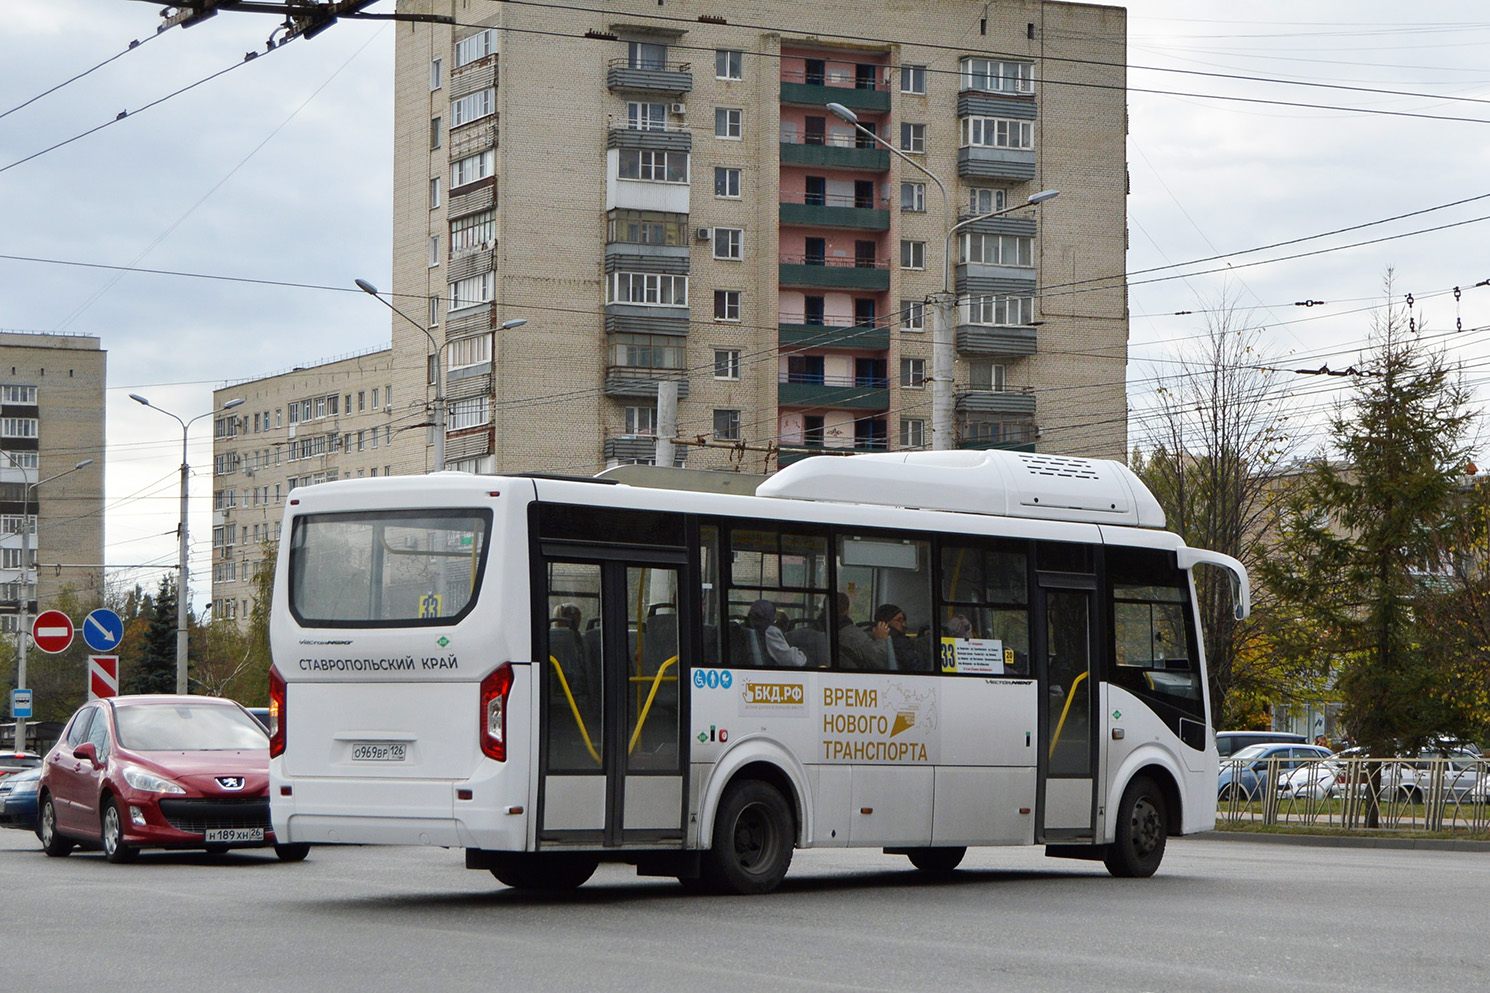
{"x":230,"y":782}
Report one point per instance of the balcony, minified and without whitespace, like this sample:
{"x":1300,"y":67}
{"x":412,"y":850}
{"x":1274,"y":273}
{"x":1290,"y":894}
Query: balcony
{"x":996,"y":402}
{"x":831,"y":335}
{"x":804,"y":91}
{"x":638,"y":381}
{"x":819,"y":272}
{"x":660,"y":77}
{"x":831,"y":152}
{"x":984,"y":339}
{"x":637,"y":448}
{"x":833,"y":392}
{"x":997,"y":163}
{"x":819,"y":210}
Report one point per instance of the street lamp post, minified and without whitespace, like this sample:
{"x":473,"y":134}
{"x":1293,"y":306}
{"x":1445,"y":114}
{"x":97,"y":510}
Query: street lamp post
{"x":441,"y":412}
{"x":24,"y":609}
{"x":182,"y":565}
{"x":944,"y":303}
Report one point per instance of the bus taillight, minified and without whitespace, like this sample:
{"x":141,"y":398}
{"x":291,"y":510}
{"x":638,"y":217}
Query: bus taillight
{"x":494,"y":691}
{"x":276,"y":713}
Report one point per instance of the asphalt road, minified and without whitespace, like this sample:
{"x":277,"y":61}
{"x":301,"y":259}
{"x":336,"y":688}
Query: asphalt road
{"x":1220,"y":915}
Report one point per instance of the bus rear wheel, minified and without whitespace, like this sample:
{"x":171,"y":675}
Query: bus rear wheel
{"x":1142,"y":829}
{"x":543,"y":870}
{"x":936,"y":861}
{"x":753,"y":840}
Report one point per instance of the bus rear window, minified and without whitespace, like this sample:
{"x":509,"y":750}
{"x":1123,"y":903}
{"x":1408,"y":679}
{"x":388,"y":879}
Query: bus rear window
{"x":387,"y":569}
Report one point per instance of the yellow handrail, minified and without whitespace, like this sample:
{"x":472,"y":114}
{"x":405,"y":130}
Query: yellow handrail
{"x":1070,"y":695}
{"x":656,"y":680}
{"x":574,"y":709}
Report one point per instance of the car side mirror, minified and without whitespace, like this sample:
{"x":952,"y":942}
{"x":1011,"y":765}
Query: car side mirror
{"x":87,"y":750}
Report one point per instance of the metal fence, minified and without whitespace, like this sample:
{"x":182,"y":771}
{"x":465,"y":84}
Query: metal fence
{"x":1350,"y":794}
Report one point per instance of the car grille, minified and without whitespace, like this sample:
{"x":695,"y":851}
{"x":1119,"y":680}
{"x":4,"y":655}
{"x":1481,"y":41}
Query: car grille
{"x":199,"y":815}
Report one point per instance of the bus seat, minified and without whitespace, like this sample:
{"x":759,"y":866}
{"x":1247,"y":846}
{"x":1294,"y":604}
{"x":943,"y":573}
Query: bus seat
{"x":812,"y":642}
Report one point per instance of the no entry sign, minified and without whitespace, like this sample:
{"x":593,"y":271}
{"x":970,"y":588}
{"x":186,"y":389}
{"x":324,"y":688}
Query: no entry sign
{"x":52,"y":631}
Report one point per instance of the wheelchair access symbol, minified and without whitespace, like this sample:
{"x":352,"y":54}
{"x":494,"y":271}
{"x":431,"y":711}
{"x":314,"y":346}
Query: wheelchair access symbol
{"x":714,"y":679}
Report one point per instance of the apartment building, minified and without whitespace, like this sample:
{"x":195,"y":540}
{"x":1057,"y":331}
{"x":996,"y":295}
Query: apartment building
{"x":336,"y":420}
{"x":51,"y":419}
{"x":663,"y":194}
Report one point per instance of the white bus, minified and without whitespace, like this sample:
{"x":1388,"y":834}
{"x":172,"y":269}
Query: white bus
{"x":912,"y":652}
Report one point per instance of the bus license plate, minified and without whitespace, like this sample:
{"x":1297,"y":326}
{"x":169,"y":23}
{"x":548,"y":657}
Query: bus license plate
{"x":378,"y":751}
{"x":233,"y":834}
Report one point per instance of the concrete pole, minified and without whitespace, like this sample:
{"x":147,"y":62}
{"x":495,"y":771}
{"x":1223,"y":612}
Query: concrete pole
{"x":183,"y":566}
{"x":667,"y":421}
{"x":22,"y":633}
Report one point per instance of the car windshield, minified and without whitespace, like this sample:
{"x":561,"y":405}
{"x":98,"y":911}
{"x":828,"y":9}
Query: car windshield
{"x":187,"y":728}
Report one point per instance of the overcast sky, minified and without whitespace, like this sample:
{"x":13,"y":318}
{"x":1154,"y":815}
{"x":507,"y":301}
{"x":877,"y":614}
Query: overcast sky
{"x":279,"y":171}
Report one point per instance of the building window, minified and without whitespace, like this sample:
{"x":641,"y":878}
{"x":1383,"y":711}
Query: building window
{"x":468,"y":292}
{"x":434,"y":250}
{"x":436,"y":74}
{"x":18,"y":427}
{"x":434,"y":193}
{"x":727,"y":122}
{"x":647,"y":287}
{"x":641,"y":421}
{"x":642,"y":55}
{"x":476,"y":46}
{"x":647,"y":351}
{"x":985,"y":375}
{"x":471,"y":168}
{"x":1000,"y":310}
{"x":997,"y":249}
{"x":646,"y":116}
{"x":646,"y":227}
{"x":913,"y":138}
{"x":998,"y":77}
{"x":912,"y":373}
{"x":982,"y":200}
{"x":997,"y":132}
{"x":912,"y":432}
{"x":469,"y":413}
{"x":729,"y":243}
{"x":473,"y":230}
{"x":912,"y":254}
{"x":473,"y":107}
{"x":728,"y":64}
{"x":726,"y":305}
{"x":434,"y":133}
{"x":912,"y":315}
{"x":18,"y":394}
{"x":727,"y":425}
{"x":912,"y":79}
{"x":465,"y":352}
{"x":913,"y":196}
{"x":20,"y":460}
{"x":653,"y":166}
{"x":726,"y":182}
{"x":726,"y":363}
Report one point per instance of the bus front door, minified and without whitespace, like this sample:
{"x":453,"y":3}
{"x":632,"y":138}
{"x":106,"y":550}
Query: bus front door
{"x":1065,"y":649}
{"x":611,"y":754}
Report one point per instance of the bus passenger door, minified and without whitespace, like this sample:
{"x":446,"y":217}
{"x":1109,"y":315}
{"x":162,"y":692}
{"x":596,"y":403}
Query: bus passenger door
{"x":612,"y":771}
{"x":1065,"y":648}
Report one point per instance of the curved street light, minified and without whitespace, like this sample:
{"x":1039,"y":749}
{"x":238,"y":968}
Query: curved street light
{"x":182,"y":565}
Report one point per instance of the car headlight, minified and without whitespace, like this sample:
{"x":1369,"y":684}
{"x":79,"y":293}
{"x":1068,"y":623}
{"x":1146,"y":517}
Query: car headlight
{"x":25,"y":786}
{"x":149,"y":782}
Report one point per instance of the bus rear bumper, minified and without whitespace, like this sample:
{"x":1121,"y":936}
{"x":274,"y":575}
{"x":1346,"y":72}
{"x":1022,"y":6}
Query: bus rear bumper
{"x":327,"y":811}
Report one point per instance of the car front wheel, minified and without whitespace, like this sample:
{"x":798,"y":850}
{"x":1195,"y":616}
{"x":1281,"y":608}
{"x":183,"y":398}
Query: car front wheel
{"x":114,"y":848}
{"x":52,"y":843}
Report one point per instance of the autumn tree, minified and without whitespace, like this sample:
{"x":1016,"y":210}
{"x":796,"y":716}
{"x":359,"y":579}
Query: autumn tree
{"x":1208,"y":449}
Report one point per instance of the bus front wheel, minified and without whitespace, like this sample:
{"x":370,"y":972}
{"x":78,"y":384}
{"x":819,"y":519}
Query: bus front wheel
{"x":753,"y":840}
{"x":1142,"y":830}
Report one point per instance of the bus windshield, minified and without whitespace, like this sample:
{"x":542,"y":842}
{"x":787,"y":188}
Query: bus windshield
{"x":387,"y":569}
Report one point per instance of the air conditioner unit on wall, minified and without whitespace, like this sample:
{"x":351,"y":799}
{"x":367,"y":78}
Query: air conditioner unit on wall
{"x":680,"y":109}
{"x":703,"y":234}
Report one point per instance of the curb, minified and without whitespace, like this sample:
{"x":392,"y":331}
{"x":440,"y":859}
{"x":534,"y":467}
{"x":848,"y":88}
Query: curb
{"x":1349,"y":841}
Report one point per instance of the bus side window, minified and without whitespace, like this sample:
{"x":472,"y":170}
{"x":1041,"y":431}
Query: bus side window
{"x":708,"y":601}
{"x":985,"y":626}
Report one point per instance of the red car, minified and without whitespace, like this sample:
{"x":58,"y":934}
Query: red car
{"x":136,"y":772}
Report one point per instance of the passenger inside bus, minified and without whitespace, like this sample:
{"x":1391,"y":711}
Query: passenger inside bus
{"x":902,"y":652}
{"x":768,"y":644}
{"x":857,"y":648}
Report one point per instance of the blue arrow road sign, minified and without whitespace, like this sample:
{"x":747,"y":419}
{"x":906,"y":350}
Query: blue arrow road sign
{"x":103,"y":630}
